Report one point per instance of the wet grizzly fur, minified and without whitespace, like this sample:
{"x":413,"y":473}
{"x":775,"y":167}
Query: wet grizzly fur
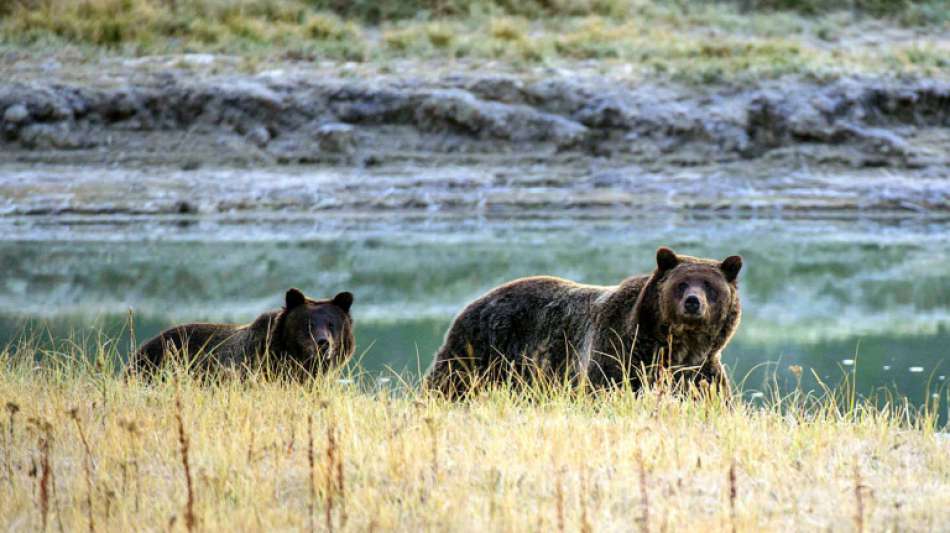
{"x":604,"y":335}
{"x":304,"y":337}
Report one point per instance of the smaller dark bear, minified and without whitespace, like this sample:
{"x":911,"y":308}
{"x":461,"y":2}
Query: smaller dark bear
{"x":304,"y":338}
{"x":680,"y":317}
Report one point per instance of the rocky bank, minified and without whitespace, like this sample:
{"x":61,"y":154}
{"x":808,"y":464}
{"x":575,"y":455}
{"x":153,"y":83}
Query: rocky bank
{"x":610,"y":131}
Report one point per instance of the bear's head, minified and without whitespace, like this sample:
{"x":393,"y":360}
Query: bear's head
{"x":317,"y":334}
{"x":695,"y":294}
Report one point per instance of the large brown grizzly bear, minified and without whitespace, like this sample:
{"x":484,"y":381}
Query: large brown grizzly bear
{"x":681,"y":317}
{"x":305,"y":337}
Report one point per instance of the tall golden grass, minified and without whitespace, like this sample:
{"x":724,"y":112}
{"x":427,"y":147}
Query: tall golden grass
{"x":84,"y":448}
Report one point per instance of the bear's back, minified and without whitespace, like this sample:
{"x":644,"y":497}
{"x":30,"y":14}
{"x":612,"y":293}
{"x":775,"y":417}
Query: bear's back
{"x":197,"y":342}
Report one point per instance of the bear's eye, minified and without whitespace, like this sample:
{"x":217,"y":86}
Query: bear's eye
{"x":682,"y":286}
{"x":710,"y":290}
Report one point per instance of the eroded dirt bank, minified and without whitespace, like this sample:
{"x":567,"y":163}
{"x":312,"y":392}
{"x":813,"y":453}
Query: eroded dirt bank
{"x":309,"y":139}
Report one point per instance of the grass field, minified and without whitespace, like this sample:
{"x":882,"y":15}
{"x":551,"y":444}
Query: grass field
{"x":84,"y":449}
{"x":690,"y":39}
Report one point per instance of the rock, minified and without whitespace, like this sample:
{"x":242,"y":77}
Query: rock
{"x":59,"y":135}
{"x":892,"y":122}
{"x":878,"y":141}
{"x":248,"y":93}
{"x":16,"y":114}
{"x":259,"y":136}
{"x":605,"y":112}
{"x":460,"y":111}
{"x":730,"y":137}
{"x":559,"y":95}
{"x":766,"y":124}
{"x":336,"y":138}
{"x":120,"y":105}
{"x":499,"y":88}
{"x":364,"y":105}
{"x":808,"y":123}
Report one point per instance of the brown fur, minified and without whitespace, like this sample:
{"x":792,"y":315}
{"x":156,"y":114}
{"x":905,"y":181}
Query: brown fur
{"x":603,"y":334}
{"x":305,"y":337}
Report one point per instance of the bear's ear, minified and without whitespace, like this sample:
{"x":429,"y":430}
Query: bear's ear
{"x":294,"y":298}
{"x":343,"y":300}
{"x":731,"y":266}
{"x":666,"y":259}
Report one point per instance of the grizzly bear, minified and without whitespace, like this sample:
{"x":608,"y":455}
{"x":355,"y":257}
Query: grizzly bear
{"x":679,"y":317}
{"x":304,"y":338}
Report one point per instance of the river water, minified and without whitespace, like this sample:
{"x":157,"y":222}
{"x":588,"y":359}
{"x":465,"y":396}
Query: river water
{"x":832,"y":293}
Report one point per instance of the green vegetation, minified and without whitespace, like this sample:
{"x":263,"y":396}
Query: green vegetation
{"x":908,"y":11}
{"x":697,"y":40}
{"x":83,"y":448}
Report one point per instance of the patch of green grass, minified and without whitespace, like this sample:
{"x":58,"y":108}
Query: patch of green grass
{"x":154,"y":26}
{"x":376,"y":12}
{"x":405,"y":40}
{"x":388,"y":10}
{"x":697,"y":40}
{"x":324,"y":27}
{"x":512,"y":29}
{"x":440,"y":35}
{"x":592,"y":39}
{"x":813,"y":7}
{"x":921,"y":57}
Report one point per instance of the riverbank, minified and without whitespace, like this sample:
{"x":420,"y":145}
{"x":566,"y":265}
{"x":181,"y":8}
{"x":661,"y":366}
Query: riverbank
{"x":309,"y":137}
{"x":563,"y":72}
{"x":217,"y":107}
{"x":85,"y":447}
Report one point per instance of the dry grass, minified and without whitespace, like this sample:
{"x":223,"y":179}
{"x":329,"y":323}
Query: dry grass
{"x":379,"y":459}
{"x":693,"y":40}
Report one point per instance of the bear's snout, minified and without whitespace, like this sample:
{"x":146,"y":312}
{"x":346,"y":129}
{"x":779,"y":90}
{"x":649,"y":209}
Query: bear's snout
{"x":692,"y":305}
{"x":324,"y":345}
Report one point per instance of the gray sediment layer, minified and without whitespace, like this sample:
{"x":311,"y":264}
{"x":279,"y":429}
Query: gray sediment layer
{"x":584,"y":134}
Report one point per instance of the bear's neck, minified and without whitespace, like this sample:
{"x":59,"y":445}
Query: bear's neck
{"x":267,"y":332}
{"x":620,"y":305}
{"x":673,"y":346}
{"x":614,"y":331}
